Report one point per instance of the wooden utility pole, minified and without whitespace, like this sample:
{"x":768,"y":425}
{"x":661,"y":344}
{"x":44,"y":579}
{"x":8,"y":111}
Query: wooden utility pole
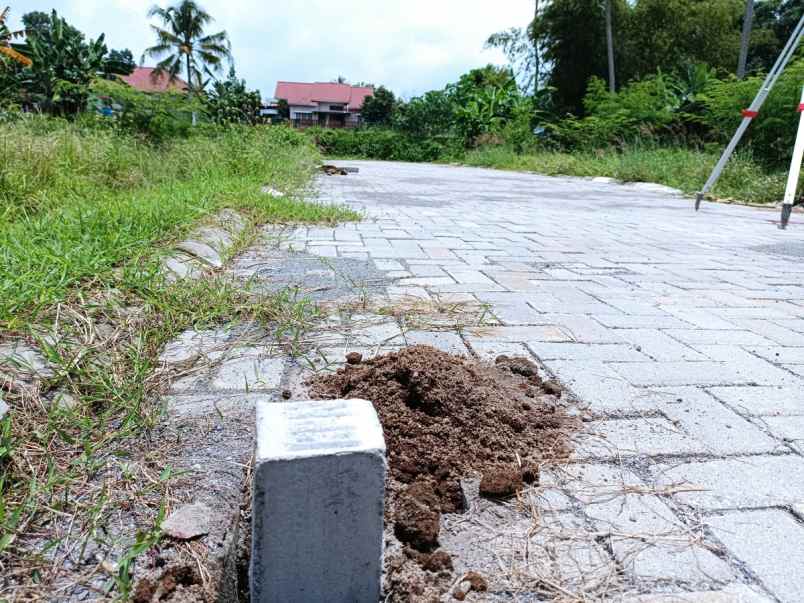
{"x":746,"y":38}
{"x":610,"y":44}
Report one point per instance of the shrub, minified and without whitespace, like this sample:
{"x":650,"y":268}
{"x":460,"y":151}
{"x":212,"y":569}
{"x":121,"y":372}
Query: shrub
{"x":375,"y":143}
{"x":157,"y":116}
{"x":772,"y":134}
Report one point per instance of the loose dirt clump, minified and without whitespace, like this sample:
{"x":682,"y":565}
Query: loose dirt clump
{"x":445,"y":418}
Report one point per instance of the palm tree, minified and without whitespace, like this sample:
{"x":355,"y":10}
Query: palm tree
{"x":182,"y":45}
{"x":610,"y":46}
{"x":746,"y":38}
{"x":6,"y":36}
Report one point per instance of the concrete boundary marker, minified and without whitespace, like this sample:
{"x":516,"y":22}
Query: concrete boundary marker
{"x":319,"y":486}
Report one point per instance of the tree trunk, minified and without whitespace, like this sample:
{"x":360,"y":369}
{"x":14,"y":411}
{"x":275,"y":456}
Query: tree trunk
{"x":535,"y":49}
{"x":746,"y":38}
{"x":610,"y":44}
{"x":189,"y":73}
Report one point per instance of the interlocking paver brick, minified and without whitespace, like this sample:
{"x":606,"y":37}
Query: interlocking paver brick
{"x":649,"y":436}
{"x":744,"y":482}
{"x":615,"y":352}
{"x":600,"y":387}
{"x":779,"y":354}
{"x":771,"y":543}
{"x":711,"y":423}
{"x":679,"y":373}
{"x":658,"y":345}
{"x":762,"y":401}
{"x":695,"y":337}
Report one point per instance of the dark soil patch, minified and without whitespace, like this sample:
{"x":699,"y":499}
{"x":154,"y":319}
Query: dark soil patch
{"x":446,"y":417}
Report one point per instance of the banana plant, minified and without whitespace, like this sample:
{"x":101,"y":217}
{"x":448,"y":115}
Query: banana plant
{"x":64,"y":65}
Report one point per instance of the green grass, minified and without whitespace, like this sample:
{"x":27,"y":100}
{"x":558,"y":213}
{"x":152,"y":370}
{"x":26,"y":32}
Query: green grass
{"x":85,"y":216}
{"x":743,"y":180}
{"x":77,"y":204}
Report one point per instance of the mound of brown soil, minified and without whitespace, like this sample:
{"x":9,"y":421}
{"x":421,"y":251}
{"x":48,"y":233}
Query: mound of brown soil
{"x":446,"y":417}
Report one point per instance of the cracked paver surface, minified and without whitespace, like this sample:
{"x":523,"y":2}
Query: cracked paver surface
{"x":682,"y":333}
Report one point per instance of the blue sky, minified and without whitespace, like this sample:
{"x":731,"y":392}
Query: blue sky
{"x":409,"y":45}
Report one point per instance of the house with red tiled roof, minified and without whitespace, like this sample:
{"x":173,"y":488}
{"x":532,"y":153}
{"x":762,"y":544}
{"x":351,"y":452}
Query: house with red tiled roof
{"x":142,"y":78}
{"x":330,"y":105}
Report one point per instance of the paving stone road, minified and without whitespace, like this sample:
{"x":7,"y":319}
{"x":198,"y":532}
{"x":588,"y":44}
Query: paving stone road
{"x":682,"y":332}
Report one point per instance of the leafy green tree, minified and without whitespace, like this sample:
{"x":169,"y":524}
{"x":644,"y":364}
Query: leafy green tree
{"x":571,"y":35}
{"x":378,"y":109}
{"x":670,"y":34}
{"x":231,"y":102}
{"x":774,"y":21}
{"x":482,"y":100}
{"x":41,"y":24}
{"x":183,"y":45}
{"x":518,"y":46}
{"x":120,"y":62}
{"x":427,"y":116}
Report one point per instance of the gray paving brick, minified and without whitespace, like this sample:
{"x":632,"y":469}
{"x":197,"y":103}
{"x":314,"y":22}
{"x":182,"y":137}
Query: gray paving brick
{"x":620,"y":438}
{"x":732,"y":593}
{"x":703,"y":319}
{"x":679,"y":373}
{"x":779,"y":354}
{"x":717,"y":337}
{"x":600,"y":387}
{"x":525,"y":334}
{"x":444,"y":341}
{"x":709,"y":422}
{"x":638,"y":321}
{"x":658,"y":345}
{"x":771,"y":543}
{"x":746,"y":482}
{"x":762,"y":401}
{"x":750,"y":368}
{"x":788,"y":428}
{"x":588,"y":351}
{"x":771,"y":330}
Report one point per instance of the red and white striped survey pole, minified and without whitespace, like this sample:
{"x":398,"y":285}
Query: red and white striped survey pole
{"x":752,"y":111}
{"x":795,"y":169}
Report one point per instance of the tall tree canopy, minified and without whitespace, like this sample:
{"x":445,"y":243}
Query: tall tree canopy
{"x":572,"y":37}
{"x":184,"y":46}
{"x":648,"y":36}
{"x":379,"y":107}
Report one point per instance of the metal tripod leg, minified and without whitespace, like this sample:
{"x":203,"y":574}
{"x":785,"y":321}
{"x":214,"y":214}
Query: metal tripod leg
{"x":786,"y":211}
{"x":752,"y":111}
{"x":795,"y":168}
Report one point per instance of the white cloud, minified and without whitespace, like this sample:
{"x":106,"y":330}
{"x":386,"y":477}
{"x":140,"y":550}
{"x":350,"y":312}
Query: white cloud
{"x":410,"y":45}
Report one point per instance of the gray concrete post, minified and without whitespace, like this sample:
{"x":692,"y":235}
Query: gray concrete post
{"x":319,"y":485}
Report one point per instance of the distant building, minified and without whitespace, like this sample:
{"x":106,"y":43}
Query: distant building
{"x":142,"y":79}
{"x":269,"y":110}
{"x":328,"y":105}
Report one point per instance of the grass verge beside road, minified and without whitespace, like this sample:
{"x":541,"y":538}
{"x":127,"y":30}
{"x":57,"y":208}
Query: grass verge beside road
{"x":744,"y":180}
{"x":79,"y":205}
{"x":85,"y":215}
